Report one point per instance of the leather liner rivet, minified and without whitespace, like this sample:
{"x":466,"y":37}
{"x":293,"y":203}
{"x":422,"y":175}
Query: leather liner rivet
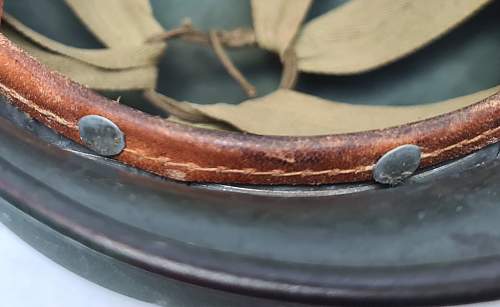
{"x":397,"y":164}
{"x":101,"y":135}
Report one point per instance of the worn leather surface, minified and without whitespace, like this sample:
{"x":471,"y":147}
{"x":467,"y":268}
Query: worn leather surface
{"x":191,"y":154}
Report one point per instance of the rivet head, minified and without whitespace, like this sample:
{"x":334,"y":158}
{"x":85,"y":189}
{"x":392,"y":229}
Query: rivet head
{"x":101,"y":135}
{"x":397,"y":164}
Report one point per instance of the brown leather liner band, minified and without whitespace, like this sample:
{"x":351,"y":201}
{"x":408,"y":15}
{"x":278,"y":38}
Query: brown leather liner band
{"x":192,"y":154}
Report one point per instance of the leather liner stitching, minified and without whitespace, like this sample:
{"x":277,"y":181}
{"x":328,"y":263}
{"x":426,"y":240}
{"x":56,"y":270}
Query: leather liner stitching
{"x":250,"y":171}
{"x":15,"y":95}
{"x":246,"y":171}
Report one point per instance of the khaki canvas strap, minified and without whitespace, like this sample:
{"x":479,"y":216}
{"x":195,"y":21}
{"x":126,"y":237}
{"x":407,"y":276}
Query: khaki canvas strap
{"x":363,"y":35}
{"x":124,"y":57}
{"x":277,"y":22}
{"x":132,"y":23}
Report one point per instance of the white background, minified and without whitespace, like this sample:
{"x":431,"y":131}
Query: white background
{"x":29,"y":279}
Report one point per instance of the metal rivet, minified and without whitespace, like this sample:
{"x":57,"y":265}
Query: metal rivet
{"x":397,"y":165}
{"x":101,"y":135}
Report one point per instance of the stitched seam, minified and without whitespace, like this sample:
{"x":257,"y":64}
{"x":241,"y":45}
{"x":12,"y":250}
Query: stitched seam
{"x":462,"y":143}
{"x":305,"y":173}
{"x":250,"y":171}
{"x":37,"y":108}
{"x":246,"y":171}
